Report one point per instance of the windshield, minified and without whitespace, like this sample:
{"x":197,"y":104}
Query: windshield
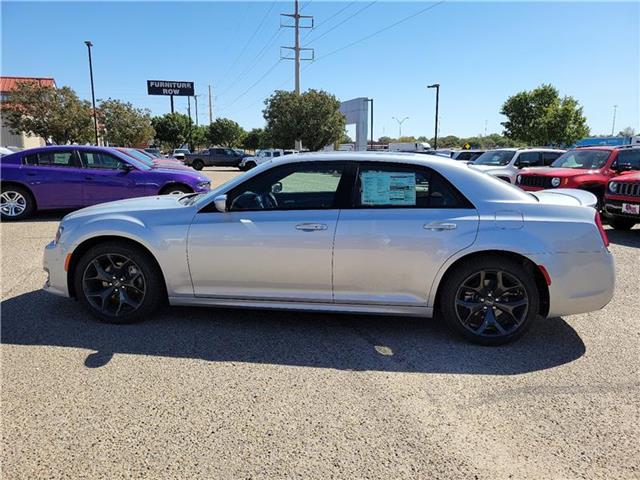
{"x":495,"y":158}
{"x":582,"y":159}
{"x":181,"y":150}
{"x":139,"y":156}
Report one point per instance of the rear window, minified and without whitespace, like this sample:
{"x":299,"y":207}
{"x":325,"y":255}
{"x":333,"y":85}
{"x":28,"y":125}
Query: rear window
{"x":51,"y":159}
{"x":495,"y":158}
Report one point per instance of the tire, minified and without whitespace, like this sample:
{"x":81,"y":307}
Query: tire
{"x":478,"y":311}
{"x":125,"y":301}
{"x":16,"y":203}
{"x":198,"y":164}
{"x":250,"y":165}
{"x":621,"y":223}
{"x":175,"y":189}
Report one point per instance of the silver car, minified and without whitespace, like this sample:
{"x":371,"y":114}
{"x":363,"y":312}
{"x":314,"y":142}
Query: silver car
{"x":375,"y":233}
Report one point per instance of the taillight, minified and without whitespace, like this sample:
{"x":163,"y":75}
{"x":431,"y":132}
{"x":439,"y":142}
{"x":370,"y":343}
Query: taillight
{"x":603,"y":233}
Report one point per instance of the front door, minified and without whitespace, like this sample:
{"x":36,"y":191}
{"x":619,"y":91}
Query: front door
{"x":404,"y":223}
{"x":275,"y":241}
{"x":107,"y":179}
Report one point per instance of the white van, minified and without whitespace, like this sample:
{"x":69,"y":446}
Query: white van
{"x":409,"y":147}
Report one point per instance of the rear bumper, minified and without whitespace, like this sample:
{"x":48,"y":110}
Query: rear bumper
{"x":53,"y":264}
{"x":580,"y":282}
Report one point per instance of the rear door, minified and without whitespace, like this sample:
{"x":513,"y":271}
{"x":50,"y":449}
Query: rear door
{"x":405,"y":221}
{"x":107,"y":179}
{"x":56,"y":178}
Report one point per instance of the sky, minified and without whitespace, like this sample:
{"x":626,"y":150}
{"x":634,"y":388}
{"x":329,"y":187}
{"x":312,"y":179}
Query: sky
{"x":480,"y":53}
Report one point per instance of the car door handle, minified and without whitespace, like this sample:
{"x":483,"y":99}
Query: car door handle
{"x":32,"y":174}
{"x":440,"y":226}
{"x":88,"y":177}
{"x":311,"y":227}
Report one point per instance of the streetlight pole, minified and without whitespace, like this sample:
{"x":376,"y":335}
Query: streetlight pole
{"x":400,"y":122}
{"x":371,"y":126}
{"x":435,"y":137}
{"x":613,"y":126}
{"x":93,"y":94}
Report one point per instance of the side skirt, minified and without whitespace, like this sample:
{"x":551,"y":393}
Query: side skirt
{"x":304,"y":306}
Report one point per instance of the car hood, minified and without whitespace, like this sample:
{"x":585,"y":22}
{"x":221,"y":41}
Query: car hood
{"x":566,"y":196}
{"x":159,"y":202}
{"x":189,"y":172}
{"x":630,"y":176}
{"x":488,"y":168}
{"x":556,"y":172}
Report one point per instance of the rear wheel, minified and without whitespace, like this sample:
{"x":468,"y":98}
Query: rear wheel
{"x":490,"y":301}
{"x":198,"y":164}
{"x":249,"y":165}
{"x":16,"y":203}
{"x":118,"y":282}
{"x":621,"y":223}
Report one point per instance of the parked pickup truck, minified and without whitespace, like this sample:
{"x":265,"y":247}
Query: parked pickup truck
{"x":218,"y":156}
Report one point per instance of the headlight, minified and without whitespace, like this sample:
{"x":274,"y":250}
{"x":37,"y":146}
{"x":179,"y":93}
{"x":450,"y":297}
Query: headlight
{"x":613,"y":187}
{"x":204,"y":184}
{"x":555,"y":182}
{"x":519,"y":179}
{"x":58,"y":234}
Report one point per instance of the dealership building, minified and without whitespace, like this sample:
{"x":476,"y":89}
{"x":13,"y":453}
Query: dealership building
{"x":21,"y":140}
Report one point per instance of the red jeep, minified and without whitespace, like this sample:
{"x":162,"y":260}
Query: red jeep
{"x":622,"y":199}
{"x":586,"y":168}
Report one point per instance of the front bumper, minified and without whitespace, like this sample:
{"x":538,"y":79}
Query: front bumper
{"x":581,"y":282}
{"x":614,"y":208}
{"x":53,"y":263}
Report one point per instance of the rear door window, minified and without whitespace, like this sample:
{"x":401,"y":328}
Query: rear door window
{"x":56,"y":158}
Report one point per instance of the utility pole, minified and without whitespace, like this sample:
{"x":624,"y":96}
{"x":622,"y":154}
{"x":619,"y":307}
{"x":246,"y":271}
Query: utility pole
{"x":93,"y":94}
{"x":189,"y":107}
{"x":613,"y":127}
{"x":371,"y":126}
{"x":435,"y":138}
{"x":296,"y":48}
{"x":172,"y":104}
{"x":210,"y":108}
{"x":400,"y":122}
{"x":195,"y":98}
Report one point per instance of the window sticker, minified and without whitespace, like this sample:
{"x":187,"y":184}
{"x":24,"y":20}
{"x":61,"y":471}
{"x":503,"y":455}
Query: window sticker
{"x":388,"y":188}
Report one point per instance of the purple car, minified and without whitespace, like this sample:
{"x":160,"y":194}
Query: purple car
{"x":76,"y":176}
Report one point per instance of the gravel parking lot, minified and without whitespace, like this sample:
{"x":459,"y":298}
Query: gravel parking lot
{"x":212,"y":393}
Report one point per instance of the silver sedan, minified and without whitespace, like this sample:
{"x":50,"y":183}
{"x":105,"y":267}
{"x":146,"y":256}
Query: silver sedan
{"x":373,"y":233}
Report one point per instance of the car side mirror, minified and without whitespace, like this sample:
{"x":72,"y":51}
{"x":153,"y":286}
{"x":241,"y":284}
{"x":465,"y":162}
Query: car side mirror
{"x":127,"y":167}
{"x":221,"y":203}
{"x":276,"y":187}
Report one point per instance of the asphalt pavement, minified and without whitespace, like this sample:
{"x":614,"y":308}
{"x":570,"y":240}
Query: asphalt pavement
{"x":229,"y":394}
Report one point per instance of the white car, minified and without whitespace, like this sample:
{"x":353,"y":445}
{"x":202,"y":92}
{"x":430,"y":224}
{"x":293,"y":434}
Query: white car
{"x":260,"y":157}
{"x":374,"y":233}
{"x":505,"y":163}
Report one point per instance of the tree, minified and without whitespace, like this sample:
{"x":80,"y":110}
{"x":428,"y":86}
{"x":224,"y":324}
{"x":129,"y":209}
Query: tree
{"x":172,"y":129}
{"x":255,"y":139}
{"x":124,"y":125}
{"x":542,"y":117}
{"x":52,"y":113}
{"x":199,"y":136}
{"x":627,"y":132}
{"x":226,"y":133}
{"x":313,"y":117}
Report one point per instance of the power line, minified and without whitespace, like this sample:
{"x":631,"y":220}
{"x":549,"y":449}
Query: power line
{"x":330,"y":18}
{"x":384,"y":29}
{"x":342,"y":22}
{"x":248,"y":42}
{"x":252,"y":85}
{"x":253,"y":62}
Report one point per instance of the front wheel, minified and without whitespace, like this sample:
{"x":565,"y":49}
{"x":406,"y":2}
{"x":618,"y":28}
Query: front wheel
{"x":176,"y":190}
{"x":250,"y":165}
{"x":621,"y":223}
{"x":15,"y":203}
{"x":490,"y":301}
{"x":118,"y":282}
{"x":198,"y":164}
